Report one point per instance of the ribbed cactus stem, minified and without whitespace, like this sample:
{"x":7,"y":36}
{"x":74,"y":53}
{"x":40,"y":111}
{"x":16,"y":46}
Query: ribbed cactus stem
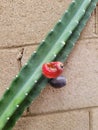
{"x":29,"y":82}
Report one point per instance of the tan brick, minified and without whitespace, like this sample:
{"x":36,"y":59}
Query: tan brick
{"x":26,"y":22}
{"x":95,"y":119}
{"x":8,"y":68}
{"x":96,"y":20}
{"x":27,"y":53}
{"x":90,"y":29}
{"x":60,"y":121}
{"x":81,"y":72}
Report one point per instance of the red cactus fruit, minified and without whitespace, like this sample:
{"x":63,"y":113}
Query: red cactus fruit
{"x":52,"y":69}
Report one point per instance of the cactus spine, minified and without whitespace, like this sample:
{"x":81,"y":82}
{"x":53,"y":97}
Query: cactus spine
{"x":57,"y":46}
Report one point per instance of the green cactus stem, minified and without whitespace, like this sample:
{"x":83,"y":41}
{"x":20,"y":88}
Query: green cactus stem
{"x":57,"y":45}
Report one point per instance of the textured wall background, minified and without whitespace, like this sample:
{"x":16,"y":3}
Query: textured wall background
{"x":23,"y":24}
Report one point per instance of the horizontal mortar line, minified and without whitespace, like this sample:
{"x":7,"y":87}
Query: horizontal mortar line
{"x":60,"y":111}
{"x":17,"y":46}
{"x":87,"y":38}
{"x":34,"y":44}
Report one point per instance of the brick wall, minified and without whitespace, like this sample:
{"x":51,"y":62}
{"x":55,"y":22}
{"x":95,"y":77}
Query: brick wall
{"x":23,"y":24}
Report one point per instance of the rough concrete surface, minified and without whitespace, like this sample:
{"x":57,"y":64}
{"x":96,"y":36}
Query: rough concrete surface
{"x":8,"y":68}
{"x":95,"y":119}
{"x":23,"y":24}
{"x":60,"y":121}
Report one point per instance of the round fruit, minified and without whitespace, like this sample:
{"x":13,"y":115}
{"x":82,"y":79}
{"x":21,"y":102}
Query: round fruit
{"x":58,"y":82}
{"x":52,"y":69}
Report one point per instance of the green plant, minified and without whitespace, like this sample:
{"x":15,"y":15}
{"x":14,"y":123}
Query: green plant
{"x":57,"y":45}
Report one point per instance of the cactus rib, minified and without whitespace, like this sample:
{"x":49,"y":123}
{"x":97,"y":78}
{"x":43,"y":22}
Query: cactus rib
{"x":17,"y":89}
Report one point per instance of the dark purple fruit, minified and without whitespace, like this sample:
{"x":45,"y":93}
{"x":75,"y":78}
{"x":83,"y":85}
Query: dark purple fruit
{"x":58,"y":82}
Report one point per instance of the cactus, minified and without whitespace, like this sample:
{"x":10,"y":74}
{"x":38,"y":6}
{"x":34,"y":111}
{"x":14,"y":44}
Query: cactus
{"x":57,"y":45}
